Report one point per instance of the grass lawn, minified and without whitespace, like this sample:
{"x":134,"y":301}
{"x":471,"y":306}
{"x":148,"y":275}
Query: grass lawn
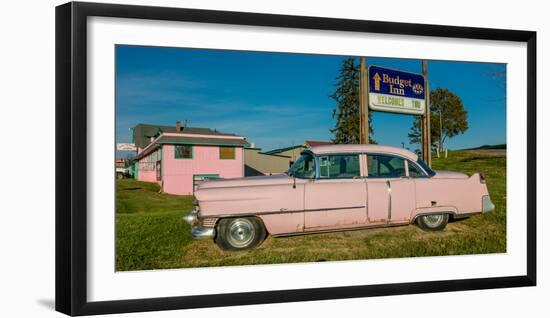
{"x":151,"y":235}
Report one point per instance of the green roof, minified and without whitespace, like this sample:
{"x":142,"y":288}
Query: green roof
{"x":143,"y":132}
{"x":276,"y":151}
{"x":185,"y":140}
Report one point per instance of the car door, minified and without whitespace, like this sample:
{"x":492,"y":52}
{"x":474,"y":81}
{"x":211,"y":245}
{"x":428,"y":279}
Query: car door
{"x":390,"y":190}
{"x":337,"y":197}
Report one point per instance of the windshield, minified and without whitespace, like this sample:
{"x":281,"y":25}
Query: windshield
{"x":304,"y":167}
{"x":426,"y":168}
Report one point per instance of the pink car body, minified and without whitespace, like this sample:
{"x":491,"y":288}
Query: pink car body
{"x":343,"y":187}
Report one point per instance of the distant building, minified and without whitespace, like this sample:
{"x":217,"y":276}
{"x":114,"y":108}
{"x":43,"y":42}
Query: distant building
{"x":312,"y":143}
{"x":276,"y":160}
{"x":120,"y":163}
{"x":294,"y":151}
{"x":178,"y":157}
{"x":258,"y":163}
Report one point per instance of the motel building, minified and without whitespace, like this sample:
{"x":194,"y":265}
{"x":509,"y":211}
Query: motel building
{"x":178,"y":157}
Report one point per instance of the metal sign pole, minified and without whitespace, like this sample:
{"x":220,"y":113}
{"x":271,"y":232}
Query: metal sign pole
{"x":427,"y":136}
{"x":363,"y":103}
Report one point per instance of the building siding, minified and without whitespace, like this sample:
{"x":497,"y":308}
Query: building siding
{"x":294,"y":154}
{"x":178,"y":173}
{"x":266,"y":164}
{"x":147,"y":167}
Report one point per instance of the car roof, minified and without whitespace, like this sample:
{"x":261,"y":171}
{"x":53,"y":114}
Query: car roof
{"x":355,"y":148}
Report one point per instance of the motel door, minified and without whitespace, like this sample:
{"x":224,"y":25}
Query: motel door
{"x":159,"y":170}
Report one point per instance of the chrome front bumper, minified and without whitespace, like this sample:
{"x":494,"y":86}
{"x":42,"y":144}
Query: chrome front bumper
{"x":486,"y":204}
{"x":197,"y":231}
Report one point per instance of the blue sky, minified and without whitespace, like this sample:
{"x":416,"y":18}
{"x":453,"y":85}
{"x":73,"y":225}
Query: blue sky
{"x":277,"y":100}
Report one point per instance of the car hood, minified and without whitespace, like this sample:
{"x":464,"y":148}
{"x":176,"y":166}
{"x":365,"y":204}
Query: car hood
{"x":442,"y":174}
{"x":246,"y":181}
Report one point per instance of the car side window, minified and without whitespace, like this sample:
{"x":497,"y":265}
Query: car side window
{"x":339,"y":167}
{"x":414,"y":171}
{"x":385,"y":166}
{"x":304,"y":167}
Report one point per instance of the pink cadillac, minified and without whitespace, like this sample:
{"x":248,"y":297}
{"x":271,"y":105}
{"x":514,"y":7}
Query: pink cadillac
{"x":335,"y":188}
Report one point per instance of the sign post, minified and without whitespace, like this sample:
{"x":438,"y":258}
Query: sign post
{"x":395,"y":91}
{"x":426,"y":129}
{"x":363,"y":103}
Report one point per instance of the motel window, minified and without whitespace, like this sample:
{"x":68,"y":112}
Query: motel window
{"x":227,"y":152}
{"x":183,"y":152}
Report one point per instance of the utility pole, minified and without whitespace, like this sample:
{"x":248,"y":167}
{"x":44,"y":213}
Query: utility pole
{"x":363,"y":103}
{"x":440,"y":129}
{"x":426,"y":129}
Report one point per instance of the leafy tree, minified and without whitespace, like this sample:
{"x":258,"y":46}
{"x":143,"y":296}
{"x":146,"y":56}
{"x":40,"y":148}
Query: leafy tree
{"x":454,"y":119}
{"x":347,"y":111}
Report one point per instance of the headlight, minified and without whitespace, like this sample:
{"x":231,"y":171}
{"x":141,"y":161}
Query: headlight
{"x":190,"y":218}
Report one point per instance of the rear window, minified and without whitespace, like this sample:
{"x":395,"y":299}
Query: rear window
{"x":426,"y":168}
{"x":415,"y":171}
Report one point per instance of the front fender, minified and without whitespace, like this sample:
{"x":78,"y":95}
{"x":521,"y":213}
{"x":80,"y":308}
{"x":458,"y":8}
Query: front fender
{"x":250,"y":199}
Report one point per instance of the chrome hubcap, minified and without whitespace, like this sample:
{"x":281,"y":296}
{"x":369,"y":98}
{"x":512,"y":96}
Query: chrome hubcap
{"x":241,"y":232}
{"x":433,"y":220}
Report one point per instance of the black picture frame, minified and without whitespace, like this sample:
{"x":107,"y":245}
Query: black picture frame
{"x":71,"y":157}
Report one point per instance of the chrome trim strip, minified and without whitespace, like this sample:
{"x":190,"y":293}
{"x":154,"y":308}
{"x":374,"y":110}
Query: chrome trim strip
{"x":389,"y":200}
{"x":365,"y":227}
{"x":282,"y":212}
{"x":464,"y":215}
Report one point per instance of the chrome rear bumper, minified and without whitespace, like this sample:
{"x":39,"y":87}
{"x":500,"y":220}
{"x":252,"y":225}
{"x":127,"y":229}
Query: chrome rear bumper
{"x":486,"y":204}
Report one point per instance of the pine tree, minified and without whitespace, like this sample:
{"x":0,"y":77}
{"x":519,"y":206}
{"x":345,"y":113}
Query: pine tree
{"x":347,"y":112}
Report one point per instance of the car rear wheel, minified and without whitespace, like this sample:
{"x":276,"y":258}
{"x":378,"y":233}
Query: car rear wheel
{"x":433,"y":222}
{"x":240,"y":233}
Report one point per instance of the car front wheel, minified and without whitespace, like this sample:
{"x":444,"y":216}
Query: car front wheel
{"x":433,"y":222}
{"x":240,"y":233}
